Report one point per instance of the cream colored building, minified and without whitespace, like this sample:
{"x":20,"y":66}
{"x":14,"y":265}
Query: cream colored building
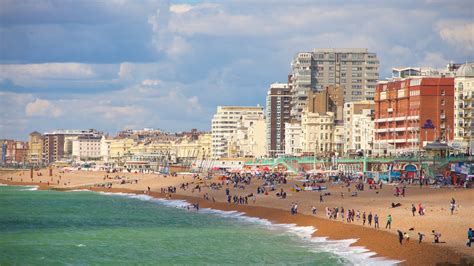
{"x":199,"y":149}
{"x":224,"y":122}
{"x":248,"y":139}
{"x":317,"y":132}
{"x":35,"y":148}
{"x":293,"y":139}
{"x":120,"y":147}
{"x":464,"y":108}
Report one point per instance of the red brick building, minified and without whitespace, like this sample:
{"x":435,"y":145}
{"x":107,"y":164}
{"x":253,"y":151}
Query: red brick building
{"x":411,"y":112}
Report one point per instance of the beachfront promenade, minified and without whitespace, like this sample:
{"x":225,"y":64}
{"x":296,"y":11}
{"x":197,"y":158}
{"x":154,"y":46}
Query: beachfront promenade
{"x":295,"y":164}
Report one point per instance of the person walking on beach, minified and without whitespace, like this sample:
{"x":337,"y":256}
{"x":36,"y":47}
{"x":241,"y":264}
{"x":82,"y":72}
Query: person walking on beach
{"x":320,"y":198}
{"x":470,"y":237}
{"x":420,"y":237}
{"x":436,"y":236}
{"x":313,"y":210}
{"x":363,"y":218}
{"x":389,"y":222}
{"x":413,"y":209}
{"x":376,"y":221}
{"x":369,"y":218}
{"x":453,"y":206}
{"x":400,"y":236}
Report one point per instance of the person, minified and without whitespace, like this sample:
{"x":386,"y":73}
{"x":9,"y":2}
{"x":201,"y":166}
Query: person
{"x":470,"y":237}
{"x":369,"y":218}
{"x":363,"y":218}
{"x":313,"y":209}
{"x":453,"y":206}
{"x":436,"y":236}
{"x":413,"y":209}
{"x":406,"y":236}
{"x":320,"y":198}
{"x":389,"y":222}
{"x":400,"y":236}
{"x":376,"y":221}
{"x":420,"y":237}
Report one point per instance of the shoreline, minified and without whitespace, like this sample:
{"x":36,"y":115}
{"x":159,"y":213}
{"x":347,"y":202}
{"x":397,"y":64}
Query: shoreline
{"x":384,"y":244}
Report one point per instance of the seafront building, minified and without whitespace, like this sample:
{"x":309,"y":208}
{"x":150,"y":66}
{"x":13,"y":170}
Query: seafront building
{"x":86,"y":148}
{"x":293,"y":139}
{"x":57,"y":145}
{"x":359,"y":127}
{"x":317,"y":133}
{"x":224,"y":122}
{"x":35,"y":148}
{"x":355,"y":70}
{"x":248,"y":138}
{"x":464,"y":108}
{"x":410,"y":113}
{"x":277,"y":113}
{"x":13,"y":152}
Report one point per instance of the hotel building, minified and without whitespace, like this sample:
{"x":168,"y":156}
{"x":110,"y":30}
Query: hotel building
{"x":224,"y":122}
{"x":411,"y":112}
{"x":464,"y":108}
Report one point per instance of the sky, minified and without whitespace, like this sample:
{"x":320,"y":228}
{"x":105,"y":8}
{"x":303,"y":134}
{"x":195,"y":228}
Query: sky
{"x":118,"y":64}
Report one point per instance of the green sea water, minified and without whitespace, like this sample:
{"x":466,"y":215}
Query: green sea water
{"x":57,"y":228}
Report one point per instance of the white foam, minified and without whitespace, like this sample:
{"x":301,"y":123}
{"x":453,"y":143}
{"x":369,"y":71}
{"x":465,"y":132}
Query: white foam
{"x":3,"y":185}
{"x":30,"y":188}
{"x":355,"y":255}
{"x":78,"y":190}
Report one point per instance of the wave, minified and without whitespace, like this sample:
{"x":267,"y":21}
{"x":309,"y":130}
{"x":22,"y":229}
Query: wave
{"x":30,"y":188}
{"x":79,"y":190}
{"x":355,"y":255}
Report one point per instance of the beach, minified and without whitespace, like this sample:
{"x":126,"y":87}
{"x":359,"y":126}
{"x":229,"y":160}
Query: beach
{"x":383,"y":242}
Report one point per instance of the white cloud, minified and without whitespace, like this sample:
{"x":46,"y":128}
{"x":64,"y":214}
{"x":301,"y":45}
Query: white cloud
{"x":178,"y":47}
{"x":181,"y":8}
{"x":458,"y":33}
{"x":435,"y":60}
{"x":40,"y":107}
{"x":125,"y":70}
{"x":150,"y":82}
{"x":47,"y":70}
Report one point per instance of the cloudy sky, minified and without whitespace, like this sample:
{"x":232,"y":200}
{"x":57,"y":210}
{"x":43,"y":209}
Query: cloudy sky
{"x":119,"y":64}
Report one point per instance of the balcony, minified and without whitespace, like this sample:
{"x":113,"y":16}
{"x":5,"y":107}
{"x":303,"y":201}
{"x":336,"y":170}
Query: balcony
{"x":442,"y":116}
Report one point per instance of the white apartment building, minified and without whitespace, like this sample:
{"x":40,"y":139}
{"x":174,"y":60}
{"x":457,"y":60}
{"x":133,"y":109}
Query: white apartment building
{"x":224,"y":122}
{"x":359,"y":126}
{"x":105,"y":148}
{"x":86,"y":148}
{"x":293,"y":139}
{"x":248,"y":138}
{"x":360,"y":133}
{"x":355,"y":70}
{"x":464,"y":108}
{"x":302,"y":81}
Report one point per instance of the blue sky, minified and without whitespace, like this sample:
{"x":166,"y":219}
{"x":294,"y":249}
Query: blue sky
{"x":119,"y":64}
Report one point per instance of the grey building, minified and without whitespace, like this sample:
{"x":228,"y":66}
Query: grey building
{"x":355,"y":70}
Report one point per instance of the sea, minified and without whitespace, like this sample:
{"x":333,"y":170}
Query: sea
{"x":44,"y":227}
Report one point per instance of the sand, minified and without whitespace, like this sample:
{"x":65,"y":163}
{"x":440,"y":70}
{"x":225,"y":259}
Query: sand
{"x":384,"y":242}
